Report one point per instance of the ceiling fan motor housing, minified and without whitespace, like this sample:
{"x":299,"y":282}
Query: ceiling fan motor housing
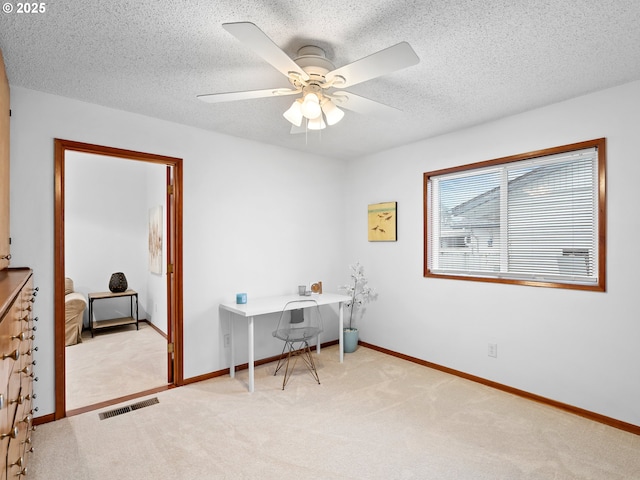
{"x":314,"y":62}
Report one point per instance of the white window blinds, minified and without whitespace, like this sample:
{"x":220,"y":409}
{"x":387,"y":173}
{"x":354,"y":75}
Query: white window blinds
{"x":533,"y":220}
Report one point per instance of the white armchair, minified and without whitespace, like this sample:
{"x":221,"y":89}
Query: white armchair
{"x":74,"y":305}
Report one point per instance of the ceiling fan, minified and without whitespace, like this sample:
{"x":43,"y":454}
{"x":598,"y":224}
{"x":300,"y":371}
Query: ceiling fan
{"x":317,"y":81}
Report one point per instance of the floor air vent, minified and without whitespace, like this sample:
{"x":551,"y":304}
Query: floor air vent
{"x":128,"y":408}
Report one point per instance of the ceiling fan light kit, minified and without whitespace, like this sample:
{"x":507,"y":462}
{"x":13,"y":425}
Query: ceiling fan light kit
{"x":311,"y":106}
{"x":313,"y":76}
{"x":332,"y":113}
{"x":294,"y":114}
{"x":316,"y":123}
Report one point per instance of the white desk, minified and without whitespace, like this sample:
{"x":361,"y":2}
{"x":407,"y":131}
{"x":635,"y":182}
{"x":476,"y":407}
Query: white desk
{"x":263,"y":306}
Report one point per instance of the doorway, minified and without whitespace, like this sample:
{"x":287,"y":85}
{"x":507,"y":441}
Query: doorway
{"x":173,"y":268}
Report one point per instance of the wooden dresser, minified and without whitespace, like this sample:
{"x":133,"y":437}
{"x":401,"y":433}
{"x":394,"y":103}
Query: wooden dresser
{"x":17,"y":334}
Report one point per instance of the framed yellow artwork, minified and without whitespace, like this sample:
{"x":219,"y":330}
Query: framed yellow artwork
{"x":383,"y":222}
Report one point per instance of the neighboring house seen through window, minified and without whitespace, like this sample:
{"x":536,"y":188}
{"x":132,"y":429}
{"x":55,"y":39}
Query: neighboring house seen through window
{"x":535,"y":219}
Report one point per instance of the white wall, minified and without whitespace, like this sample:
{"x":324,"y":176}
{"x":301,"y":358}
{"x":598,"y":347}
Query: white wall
{"x":580,"y":348}
{"x":249,"y":224}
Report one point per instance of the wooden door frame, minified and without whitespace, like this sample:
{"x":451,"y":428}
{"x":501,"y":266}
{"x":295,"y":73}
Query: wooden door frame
{"x":174,"y":311}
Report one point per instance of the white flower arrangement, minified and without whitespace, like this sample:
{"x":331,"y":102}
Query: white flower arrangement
{"x":359,"y":291}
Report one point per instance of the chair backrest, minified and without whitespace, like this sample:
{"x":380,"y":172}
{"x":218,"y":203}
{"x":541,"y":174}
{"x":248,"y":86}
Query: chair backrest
{"x":68,"y":286}
{"x":299,"y":315}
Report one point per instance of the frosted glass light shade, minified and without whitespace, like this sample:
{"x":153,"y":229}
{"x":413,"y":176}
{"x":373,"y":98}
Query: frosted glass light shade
{"x":333,"y":113}
{"x":311,"y":106}
{"x":316,"y":123}
{"x":294,"y":114}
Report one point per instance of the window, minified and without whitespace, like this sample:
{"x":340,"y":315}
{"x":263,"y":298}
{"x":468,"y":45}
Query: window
{"x":534,"y":219}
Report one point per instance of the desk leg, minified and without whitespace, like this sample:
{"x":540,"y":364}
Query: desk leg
{"x":317,"y":338}
{"x":137,"y":322}
{"x":341,"y":331}
{"x":232,"y":368}
{"x":251,"y":355}
{"x":91,"y":316}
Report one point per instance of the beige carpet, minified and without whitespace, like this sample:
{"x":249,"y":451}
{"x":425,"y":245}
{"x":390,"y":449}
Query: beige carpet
{"x":114,"y":363}
{"x":373,"y":417}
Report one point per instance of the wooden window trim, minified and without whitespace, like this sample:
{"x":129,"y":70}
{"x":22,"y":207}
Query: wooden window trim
{"x":600,"y":144}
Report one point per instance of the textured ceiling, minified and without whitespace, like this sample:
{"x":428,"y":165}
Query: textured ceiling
{"x":479,"y":60}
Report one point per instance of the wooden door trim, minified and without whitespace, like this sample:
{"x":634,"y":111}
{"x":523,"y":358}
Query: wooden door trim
{"x":170,"y":257}
{"x":60,"y":148}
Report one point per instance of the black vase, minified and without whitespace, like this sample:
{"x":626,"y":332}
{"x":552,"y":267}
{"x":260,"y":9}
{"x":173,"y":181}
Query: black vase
{"x":118,"y":282}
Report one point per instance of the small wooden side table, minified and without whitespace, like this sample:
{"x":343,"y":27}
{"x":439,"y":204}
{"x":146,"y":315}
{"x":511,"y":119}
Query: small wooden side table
{"x":113,"y":322}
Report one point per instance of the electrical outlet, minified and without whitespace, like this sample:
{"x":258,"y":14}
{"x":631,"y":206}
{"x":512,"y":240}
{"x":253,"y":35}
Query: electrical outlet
{"x":227,"y":340}
{"x":493,"y":350}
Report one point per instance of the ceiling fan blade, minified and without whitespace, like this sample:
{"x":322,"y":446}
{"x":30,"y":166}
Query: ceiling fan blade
{"x":365,"y":106}
{"x":380,"y":63}
{"x":249,"y":34}
{"x":246,"y":95}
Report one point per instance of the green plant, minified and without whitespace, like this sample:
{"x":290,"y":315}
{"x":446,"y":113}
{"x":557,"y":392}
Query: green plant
{"x":359,"y":290}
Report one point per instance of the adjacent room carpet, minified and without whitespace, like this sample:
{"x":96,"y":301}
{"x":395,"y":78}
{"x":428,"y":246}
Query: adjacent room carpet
{"x":113,"y":364}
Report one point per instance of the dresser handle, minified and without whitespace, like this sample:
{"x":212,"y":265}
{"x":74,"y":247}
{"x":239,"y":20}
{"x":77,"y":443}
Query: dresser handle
{"x":23,"y":336}
{"x":15,"y":355}
{"x":1,"y":401}
{"x":6,"y":257}
{"x":27,"y":374}
{"x":13,"y":433}
{"x":30,"y":396}
{"x":19,"y":463}
{"x":19,"y":400}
